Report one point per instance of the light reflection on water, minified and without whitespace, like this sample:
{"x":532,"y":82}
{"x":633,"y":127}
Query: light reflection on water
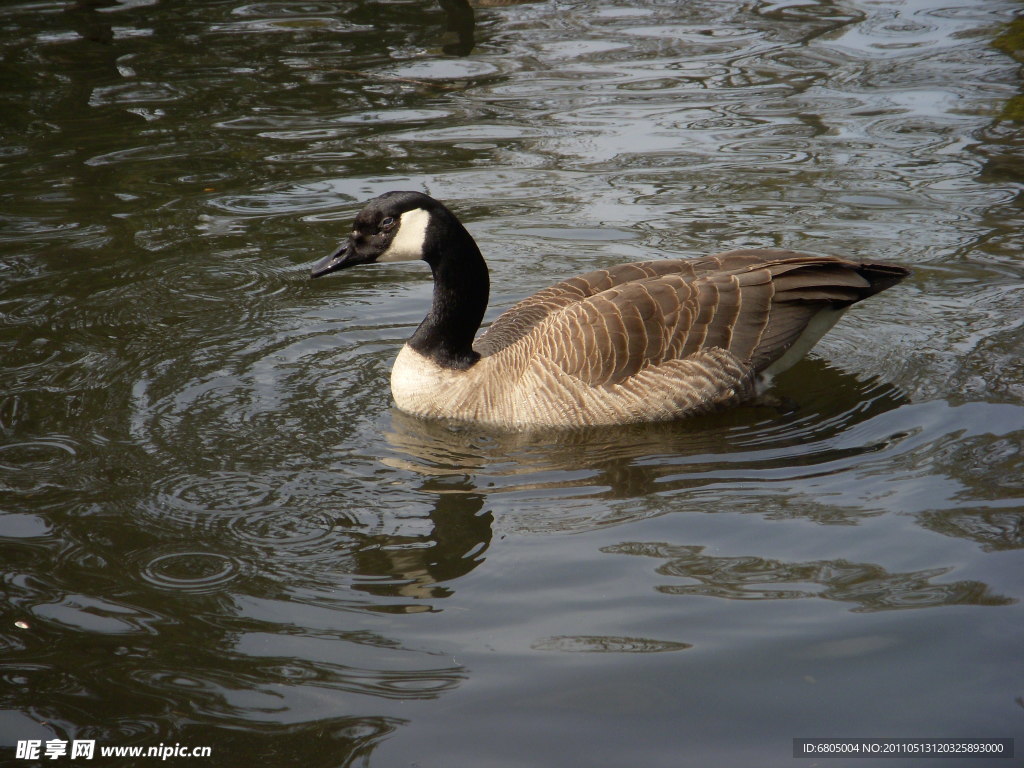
{"x":218,"y":531}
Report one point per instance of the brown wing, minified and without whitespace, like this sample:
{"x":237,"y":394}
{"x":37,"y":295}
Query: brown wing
{"x":609,"y":325}
{"x":521,"y":318}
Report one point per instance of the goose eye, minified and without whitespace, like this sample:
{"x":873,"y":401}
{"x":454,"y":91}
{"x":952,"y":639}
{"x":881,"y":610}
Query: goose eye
{"x":387,"y":223}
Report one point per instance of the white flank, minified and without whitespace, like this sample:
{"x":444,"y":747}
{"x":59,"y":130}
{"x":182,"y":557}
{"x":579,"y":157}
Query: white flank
{"x":408,"y":242}
{"x":819,"y":325}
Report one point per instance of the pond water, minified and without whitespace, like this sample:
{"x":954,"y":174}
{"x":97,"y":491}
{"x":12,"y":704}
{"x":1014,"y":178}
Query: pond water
{"x":216,"y":530}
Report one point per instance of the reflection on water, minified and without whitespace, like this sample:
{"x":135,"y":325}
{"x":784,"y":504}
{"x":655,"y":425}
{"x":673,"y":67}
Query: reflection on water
{"x":216,"y":530}
{"x":869,"y":587}
{"x":418,"y":565}
{"x":802,"y":429}
{"x":607,"y":645}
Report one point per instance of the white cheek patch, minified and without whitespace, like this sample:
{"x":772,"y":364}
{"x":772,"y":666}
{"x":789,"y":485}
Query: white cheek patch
{"x":412,"y":234}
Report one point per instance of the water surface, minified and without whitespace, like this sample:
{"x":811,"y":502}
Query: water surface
{"x":216,"y":529}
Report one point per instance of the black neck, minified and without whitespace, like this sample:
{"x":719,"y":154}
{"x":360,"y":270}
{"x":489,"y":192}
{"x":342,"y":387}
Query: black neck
{"x":461,"y":286}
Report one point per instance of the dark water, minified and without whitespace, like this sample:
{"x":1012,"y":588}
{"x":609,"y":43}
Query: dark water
{"x":217,"y":532}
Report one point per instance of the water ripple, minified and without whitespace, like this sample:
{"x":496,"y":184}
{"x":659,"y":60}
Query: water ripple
{"x":196,"y":572}
{"x":282,"y":528}
{"x":46,"y":454}
{"x":197,"y":500}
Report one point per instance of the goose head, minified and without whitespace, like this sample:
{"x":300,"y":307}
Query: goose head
{"x":410,"y":226}
{"x":397,"y":226}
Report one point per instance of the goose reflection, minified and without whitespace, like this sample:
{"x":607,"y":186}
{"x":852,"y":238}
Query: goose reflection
{"x":837,"y":424}
{"x":812,"y":433}
{"x":460,"y":30}
{"x":459,"y":37}
{"x":419,"y":566}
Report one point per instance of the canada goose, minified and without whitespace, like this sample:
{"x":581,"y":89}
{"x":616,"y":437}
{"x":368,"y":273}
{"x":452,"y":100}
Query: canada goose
{"x":648,"y":341}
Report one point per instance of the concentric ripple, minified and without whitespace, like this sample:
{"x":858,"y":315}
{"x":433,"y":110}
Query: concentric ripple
{"x":197,"y":500}
{"x":188,"y":571}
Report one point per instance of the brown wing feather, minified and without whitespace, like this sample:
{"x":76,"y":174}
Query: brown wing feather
{"x":609,"y":325}
{"x":522,"y":317}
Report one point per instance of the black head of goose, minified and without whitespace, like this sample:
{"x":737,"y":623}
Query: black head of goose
{"x":647,"y":341}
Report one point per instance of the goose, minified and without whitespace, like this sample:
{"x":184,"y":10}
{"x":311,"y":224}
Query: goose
{"x":640,"y":342}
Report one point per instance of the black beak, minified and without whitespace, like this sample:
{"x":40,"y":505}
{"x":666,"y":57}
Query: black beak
{"x":340,"y":259}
